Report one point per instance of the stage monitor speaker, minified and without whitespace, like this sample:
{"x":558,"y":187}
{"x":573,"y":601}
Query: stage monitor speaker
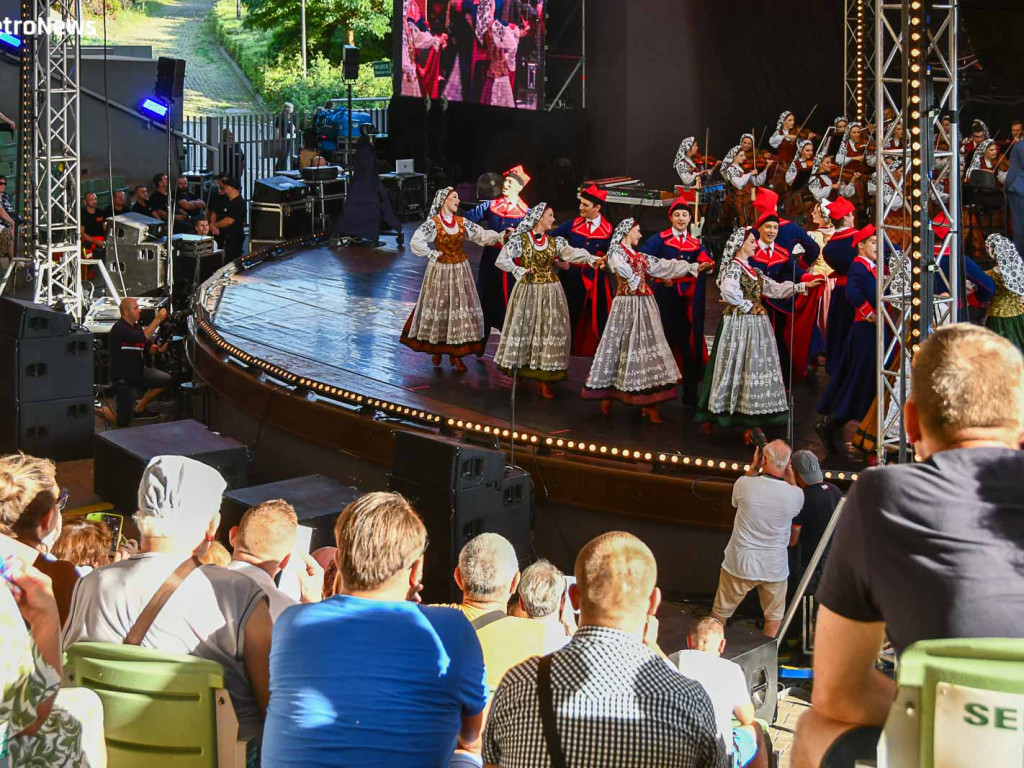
{"x":350,"y":62}
{"x":122,"y":456}
{"x":759,"y":657}
{"x":170,"y":78}
{"x":454,"y":517}
{"x":318,"y":500}
{"x":441,"y":462}
{"x":24,"y":319}
{"x":52,"y":368}
{"x":55,"y":429}
{"x":278,"y":190}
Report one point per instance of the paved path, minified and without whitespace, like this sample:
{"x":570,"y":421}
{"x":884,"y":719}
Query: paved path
{"x":178,"y":28}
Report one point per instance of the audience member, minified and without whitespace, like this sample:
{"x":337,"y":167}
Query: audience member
{"x":232,"y":158}
{"x":40,"y":724}
{"x":726,"y":684}
{"x":925,"y":550}
{"x":487,"y":574}
{"x":190,"y":207}
{"x":203,"y":227}
{"x":8,"y":221}
{"x":229,"y":227}
{"x":31,"y":503}
{"x":118,"y":205}
{"x":820,"y":501}
{"x":369,"y":676}
{"x":214,"y":553}
{"x":262,"y":544}
{"x":141,"y":204}
{"x":607,"y":698}
{"x":158,"y":199}
{"x":327,"y":559}
{"x":94,"y":226}
{"x":756,"y":556}
{"x":543,"y":597}
{"x":86,"y":543}
{"x":212,"y":613}
{"x":129,"y":343}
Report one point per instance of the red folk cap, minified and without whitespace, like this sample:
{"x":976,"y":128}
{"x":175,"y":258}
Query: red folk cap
{"x":519,"y":173}
{"x":840,"y":208}
{"x":594,"y":195}
{"x":766,"y":200}
{"x":685,"y":200}
{"x":863,"y":234}
{"x":941,"y":226}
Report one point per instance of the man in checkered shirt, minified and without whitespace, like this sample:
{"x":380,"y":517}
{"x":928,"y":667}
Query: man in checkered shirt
{"x":606,"y":699}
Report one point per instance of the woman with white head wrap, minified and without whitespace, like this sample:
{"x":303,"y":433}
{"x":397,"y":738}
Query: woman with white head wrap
{"x":447,"y":318}
{"x":416,"y":37}
{"x":1006,"y":312}
{"x":783,"y":130}
{"x":744,"y":385}
{"x":535,"y":338}
{"x":502,"y":43}
{"x":634,"y":362}
{"x":685,"y":165}
{"x":986,"y":158}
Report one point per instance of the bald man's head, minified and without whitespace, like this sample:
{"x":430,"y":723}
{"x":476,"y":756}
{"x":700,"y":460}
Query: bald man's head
{"x":130,"y":309}
{"x":616,"y":577}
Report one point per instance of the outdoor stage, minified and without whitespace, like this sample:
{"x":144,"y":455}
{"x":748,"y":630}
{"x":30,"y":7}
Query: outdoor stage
{"x":334,"y":315}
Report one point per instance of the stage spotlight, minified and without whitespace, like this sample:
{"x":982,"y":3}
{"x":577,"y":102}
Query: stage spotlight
{"x":11,"y":42}
{"x":154,"y":108}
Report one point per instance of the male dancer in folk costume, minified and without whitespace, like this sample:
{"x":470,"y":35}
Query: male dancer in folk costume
{"x":851,"y":389}
{"x":588,"y":291}
{"x":535,"y":337}
{"x":690,"y":174}
{"x":633,"y":362}
{"x":493,"y":285}
{"x":681,"y":301}
{"x":447,"y":318}
{"x":744,"y":385}
{"x":839,"y":254}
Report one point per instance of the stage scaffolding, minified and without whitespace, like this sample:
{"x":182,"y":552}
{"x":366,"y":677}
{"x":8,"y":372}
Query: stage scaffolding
{"x":858,"y":66}
{"x":916,"y":80}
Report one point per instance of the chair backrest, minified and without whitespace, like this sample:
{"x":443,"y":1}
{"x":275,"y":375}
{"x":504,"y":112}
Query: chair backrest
{"x":962,"y":699}
{"x":159,"y":709}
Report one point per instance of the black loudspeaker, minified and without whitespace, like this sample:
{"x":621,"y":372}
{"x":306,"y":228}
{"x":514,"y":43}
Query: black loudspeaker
{"x":278,"y":189}
{"x":170,"y":78}
{"x":458,"y":494}
{"x":350,"y":62}
{"x":26,"y":320}
{"x":55,"y":429}
{"x":318,"y":500}
{"x":122,"y":455}
{"x":54,"y":368}
{"x":759,"y":657}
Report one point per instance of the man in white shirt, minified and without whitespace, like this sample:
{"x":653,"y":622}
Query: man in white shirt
{"x":766,"y":500}
{"x":726,"y":684}
{"x":262,"y":545}
{"x":542,"y":597}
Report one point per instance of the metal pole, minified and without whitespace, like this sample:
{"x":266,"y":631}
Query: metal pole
{"x":583,"y":52}
{"x":348,"y":135}
{"x":302,"y":6}
{"x":170,"y":213}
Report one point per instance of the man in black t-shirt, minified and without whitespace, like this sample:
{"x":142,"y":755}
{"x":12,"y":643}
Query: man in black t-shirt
{"x":229,"y":227}
{"x":118,"y":206}
{"x":129,"y":344}
{"x":94,"y":227}
{"x":925,"y":550}
{"x":141,"y":204}
{"x":820,"y":501}
{"x":188,"y":206}
{"x":158,"y":200}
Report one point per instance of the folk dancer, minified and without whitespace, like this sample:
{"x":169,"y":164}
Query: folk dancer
{"x":745,"y":387}
{"x":633,"y":362}
{"x":690,"y":174}
{"x":1006,"y":312}
{"x":587,"y":291}
{"x":447,"y":318}
{"x":839,"y":254}
{"x":821,"y":230}
{"x":681,"y":301}
{"x":851,"y":389}
{"x":743,"y":183}
{"x":502,"y":43}
{"x":535,"y":336}
{"x":503,"y":213}
{"x":421,"y":53}
{"x":979,"y":284}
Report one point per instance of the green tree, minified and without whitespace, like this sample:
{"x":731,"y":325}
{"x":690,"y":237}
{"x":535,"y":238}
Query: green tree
{"x":327,"y":26}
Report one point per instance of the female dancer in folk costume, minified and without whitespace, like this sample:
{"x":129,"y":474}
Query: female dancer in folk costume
{"x":447,"y":318}
{"x":419,"y":79}
{"x":1006,"y":312}
{"x":502,"y":44}
{"x":634,"y":362}
{"x":535,"y":338}
{"x":744,"y":386}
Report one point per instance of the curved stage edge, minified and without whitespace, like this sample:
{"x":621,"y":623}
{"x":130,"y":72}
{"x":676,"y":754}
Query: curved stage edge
{"x":358,"y":412}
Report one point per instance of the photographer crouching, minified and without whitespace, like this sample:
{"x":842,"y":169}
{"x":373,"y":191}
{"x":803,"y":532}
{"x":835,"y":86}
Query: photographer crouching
{"x":130,"y":343}
{"x":766,"y":500}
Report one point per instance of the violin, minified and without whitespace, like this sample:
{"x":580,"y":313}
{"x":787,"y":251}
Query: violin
{"x":709,"y":161}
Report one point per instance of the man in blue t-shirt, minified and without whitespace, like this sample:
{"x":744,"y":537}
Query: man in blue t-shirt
{"x":370,"y":676}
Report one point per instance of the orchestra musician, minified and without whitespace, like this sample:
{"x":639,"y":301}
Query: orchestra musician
{"x":785,"y":130}
{"x":685,"y":164}
{"x":979,"y":132}
{"x":746,"y":144}
{"x":742,"y":185}
{"x":825,"y":181}
{"x":986,"y":159}
{"x":838,"y":134}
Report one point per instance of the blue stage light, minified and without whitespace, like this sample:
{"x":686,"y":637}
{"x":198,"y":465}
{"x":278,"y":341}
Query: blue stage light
{"x":12,"y":42}
{"x":154,"y":108}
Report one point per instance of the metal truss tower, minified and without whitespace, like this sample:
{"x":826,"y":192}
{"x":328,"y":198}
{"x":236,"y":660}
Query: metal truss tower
{"x":50,"y":113}
{"x":858,"y":65}
{"x":915,"y":83}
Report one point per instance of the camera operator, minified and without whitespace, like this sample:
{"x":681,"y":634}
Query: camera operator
{"x":766,"y":500}
{"x":129,"y":345}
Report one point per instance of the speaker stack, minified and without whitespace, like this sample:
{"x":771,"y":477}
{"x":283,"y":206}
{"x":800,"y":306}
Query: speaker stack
{"x":460,"y":491}
{"x":170,"y":78}
{"x":759,"y":657}
{"x":46,"y":377}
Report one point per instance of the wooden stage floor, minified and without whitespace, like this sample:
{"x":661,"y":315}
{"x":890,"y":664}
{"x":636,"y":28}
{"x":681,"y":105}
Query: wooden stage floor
{"x":335,"y":315}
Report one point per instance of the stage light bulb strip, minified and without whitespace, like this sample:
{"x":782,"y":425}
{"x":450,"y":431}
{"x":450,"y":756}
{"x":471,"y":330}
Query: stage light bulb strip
{"x":659,"y":462}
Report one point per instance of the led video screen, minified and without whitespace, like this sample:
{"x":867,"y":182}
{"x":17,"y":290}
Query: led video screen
{"x":479,"y":51}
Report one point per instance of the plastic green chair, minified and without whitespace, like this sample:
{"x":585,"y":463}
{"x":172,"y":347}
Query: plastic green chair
{"x":962,"y":699}
{"x":159,"y":709}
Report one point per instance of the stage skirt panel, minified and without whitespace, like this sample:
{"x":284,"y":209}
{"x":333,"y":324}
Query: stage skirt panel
{"x":745,"y":385}
{"x":633,"y":362}
{"x":535,"y":336}
{"x":447,"y":318}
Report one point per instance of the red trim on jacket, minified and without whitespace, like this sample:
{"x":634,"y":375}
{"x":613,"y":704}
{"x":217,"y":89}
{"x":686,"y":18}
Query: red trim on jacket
{"x":581,"y":227}
{"x":502,"y":206}
{"x":779,"y":255}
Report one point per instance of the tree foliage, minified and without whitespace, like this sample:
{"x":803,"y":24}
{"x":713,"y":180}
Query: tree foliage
{"x":327,"y":26}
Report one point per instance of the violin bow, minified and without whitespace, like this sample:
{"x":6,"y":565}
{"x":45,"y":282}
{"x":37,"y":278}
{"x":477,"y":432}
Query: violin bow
{"x":804,"y":123}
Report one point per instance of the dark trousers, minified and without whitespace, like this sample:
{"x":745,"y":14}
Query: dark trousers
{"x":1016,"y":204}
{"x":124,"y":393}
